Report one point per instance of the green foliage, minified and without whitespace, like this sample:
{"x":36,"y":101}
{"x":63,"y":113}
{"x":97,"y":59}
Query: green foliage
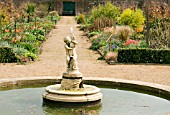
{"x":4,"y":44}
{"x":19,"y":51}
{"x":41,"y":37}
{"x":137,"y":36}
{"x":29,"y":37}
{"x":24,"y":55}
{"x":7,"y":55}
{"x":48,"y":26}
{"x":99,"y":42}
{"x":144,"y":56}
{"x":133,"y":18}
{"x":81,"y":19}
{"x":108,"y":11}
{"x":93,"y":33}
{"x":27,"y":44}
{"x":142,"y":44}
{"x":37,"y":31}
{"x":30,"y":46}
{"x":30,"y":10}
{"x":53,"y":16}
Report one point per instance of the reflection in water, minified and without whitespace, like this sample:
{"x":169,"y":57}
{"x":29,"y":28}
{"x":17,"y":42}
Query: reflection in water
{"x":52,"y":109}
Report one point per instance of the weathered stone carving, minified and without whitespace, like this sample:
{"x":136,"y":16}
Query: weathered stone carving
{"x":72,"y":79}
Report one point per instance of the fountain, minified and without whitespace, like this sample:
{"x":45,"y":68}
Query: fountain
{"x":72,"y":89}
{"x":120,"y":96}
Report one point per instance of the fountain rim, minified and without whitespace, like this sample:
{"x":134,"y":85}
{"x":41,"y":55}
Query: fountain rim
{"x":139,"y":85}
{"x":74,"y":92}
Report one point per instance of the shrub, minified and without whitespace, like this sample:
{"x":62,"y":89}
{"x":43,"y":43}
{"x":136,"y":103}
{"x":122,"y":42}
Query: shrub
{"x":104,"y":16}
{"x":159,"y":33}
{"x":24,"y":55}
{"x":7,"y":55}
{"x":108,"y":11}
{"x":4,"y":18}
{"x":81,"y":19}
{"x":159,"y":21}
{"x":133,"y":18}
{"x":30,"y":46}
{"x":144,"y":56}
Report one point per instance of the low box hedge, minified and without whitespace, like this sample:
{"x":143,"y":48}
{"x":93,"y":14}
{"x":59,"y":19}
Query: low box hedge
{"x":161,"y":56}
{"x":7,"y":55}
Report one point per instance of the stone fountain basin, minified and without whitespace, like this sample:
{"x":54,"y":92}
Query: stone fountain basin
{"x":23,"y":96}
{"x":88,"y":89}
{"x":87,"y":94}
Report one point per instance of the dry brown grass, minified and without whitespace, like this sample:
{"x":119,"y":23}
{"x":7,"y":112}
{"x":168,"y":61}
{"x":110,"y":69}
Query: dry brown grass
{"x":111,"y":57}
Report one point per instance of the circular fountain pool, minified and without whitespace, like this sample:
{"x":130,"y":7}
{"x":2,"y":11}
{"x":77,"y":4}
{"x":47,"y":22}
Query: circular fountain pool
{"x":28,"y":101}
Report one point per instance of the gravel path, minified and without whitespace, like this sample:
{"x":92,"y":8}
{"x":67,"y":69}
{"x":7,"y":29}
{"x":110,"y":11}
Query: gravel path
{"x":52,"y":61}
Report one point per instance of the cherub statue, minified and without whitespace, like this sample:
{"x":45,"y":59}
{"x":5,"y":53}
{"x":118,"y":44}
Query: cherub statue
{"x":72,"y":79}
{"x":71,"y":56}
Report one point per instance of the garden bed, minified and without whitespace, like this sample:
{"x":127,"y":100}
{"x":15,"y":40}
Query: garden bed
{"x":142,"y":34}
{"x":22,"y":37}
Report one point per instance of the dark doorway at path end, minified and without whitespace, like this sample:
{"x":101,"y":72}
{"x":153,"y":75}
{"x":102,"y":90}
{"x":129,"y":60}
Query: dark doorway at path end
{"x":68,"y":9}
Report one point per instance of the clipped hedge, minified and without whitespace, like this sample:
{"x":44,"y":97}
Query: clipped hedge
{"x":7,"y":55}
{"x":161,"y":56}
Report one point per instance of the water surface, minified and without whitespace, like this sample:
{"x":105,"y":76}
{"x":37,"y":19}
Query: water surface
{"x":28,"y":101}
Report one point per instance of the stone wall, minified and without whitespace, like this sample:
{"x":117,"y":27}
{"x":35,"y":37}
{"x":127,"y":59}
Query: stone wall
{"x":60,"y":7}
{"x":79,"y":8}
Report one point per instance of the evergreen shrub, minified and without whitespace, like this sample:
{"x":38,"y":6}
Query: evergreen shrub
{"x":7,"y":55}
{"x":161,"y":56}
{"x":132,"y":18}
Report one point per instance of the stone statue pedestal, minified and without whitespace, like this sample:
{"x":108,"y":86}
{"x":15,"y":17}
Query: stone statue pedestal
{"x":72,"y":80}
{"x":72,"y":73}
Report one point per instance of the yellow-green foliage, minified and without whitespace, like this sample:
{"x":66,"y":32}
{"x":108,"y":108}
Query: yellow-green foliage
{"x":133,"y":18}
{"x":4,"y":18}
{"x":81,"y":19}
{"x":107,"y":11}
